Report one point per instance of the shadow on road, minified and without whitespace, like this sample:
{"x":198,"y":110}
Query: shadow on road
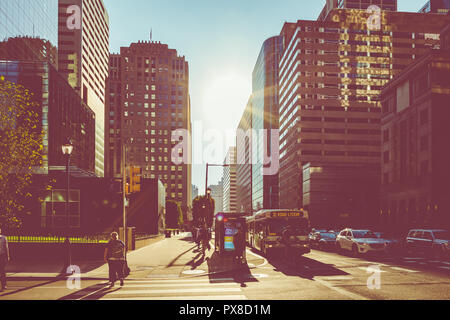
{"x":39,"y":266}
{"x":303,"y":267}
{"x":179,"y":256}
{"x":94,"y":292}
{"x":221,"y":269}
{"x":9,"y":293}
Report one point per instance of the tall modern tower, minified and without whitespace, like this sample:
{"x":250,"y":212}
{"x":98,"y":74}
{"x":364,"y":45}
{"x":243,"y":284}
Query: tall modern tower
{"x":83,"y":59}
{"x":264,"y":112}
{"x":148,"y":110}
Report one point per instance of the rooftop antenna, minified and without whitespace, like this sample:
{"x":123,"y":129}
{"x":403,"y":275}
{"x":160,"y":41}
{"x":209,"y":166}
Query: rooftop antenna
{"x":151,"y":35}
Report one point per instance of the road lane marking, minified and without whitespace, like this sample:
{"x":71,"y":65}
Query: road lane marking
{"x":346,"y":293}
{"x":404,"y":270}
{"x":444,"y":267}
{"x":337,"y":278}
{"x":368,"y":268}
{"x":185,"y":298}
{"x":166,"y":291}
{"x":180,"y":280}
{"x":167,"y":285}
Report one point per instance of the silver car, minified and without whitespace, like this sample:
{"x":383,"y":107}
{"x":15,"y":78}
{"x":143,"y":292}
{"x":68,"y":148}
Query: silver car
{"x":360,"y":242}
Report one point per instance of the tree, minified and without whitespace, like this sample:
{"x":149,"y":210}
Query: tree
{"x":174,"y":215}
{"x":20,"y":149}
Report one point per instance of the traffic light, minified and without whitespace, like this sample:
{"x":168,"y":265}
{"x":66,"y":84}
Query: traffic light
{"x":134,"y":180}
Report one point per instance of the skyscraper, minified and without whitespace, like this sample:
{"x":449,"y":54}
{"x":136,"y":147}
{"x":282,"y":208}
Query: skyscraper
{"x":148,"y":108}
{"x":83,"y":59}
{"x":331,"y":75}
{"x":229,"y":181}
{"x":264,"y":112}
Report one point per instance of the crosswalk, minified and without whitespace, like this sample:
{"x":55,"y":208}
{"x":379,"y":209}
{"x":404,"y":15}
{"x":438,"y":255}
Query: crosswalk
{"x":177,"y":289}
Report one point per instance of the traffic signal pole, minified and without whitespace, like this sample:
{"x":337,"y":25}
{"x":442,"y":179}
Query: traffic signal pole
{"x":124,"y":173}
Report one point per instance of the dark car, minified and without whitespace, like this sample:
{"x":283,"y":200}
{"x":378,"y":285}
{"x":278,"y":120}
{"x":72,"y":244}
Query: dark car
{"x":434,"y":243}
{"x":393,"y":245}
{"x":323,"y":240}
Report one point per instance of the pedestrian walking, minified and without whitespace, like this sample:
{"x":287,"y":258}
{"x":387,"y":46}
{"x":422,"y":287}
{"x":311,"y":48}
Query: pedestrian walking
{"x":4,"y":259}
{"x":115,"y":256}
{"x":239,"y":243}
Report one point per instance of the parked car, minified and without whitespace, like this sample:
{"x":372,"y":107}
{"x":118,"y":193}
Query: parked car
{"x":314,"y":234}
{"x":324,"y":240}
{"x":359,"y":242}
{"x":435,"y":243}
{"x":393,"y":245}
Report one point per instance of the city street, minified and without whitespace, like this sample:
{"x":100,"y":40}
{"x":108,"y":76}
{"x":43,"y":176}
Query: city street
{"x":171,"y":269}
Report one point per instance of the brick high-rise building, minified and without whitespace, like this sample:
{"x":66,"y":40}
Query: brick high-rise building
{"x":331,"y":75}
{"x":148,"y":109}
{"x":83,"y":59}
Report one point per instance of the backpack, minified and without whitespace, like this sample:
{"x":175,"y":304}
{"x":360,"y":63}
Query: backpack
{"x":116,"y":249}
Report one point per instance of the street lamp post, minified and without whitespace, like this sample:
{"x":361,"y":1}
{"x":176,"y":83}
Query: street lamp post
{"x":67,"y":150}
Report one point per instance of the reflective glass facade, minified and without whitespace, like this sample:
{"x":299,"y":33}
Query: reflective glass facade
{"x":264,"y":120}
{"x":63,"y":113}
{"x":30,"y":18}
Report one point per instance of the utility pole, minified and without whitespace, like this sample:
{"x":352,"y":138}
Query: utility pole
{"x":124,"y":189}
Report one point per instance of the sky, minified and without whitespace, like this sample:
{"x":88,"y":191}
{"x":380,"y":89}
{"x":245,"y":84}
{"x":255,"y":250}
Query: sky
{"x":221,"y":41}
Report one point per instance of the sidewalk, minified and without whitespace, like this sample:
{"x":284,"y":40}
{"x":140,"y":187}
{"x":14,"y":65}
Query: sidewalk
{"x":52,"y":270}
{"x":167,"y":258}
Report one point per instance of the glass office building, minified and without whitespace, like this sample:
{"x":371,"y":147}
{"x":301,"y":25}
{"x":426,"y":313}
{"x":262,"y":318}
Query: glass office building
{"x":29,"y":18}
{"x":264,"y":124}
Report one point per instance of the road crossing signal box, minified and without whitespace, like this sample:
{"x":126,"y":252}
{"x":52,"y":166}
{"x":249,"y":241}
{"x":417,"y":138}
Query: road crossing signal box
{"x":133,"y":180}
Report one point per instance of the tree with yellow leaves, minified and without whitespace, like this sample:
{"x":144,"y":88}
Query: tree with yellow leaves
{"x":20,"y":149}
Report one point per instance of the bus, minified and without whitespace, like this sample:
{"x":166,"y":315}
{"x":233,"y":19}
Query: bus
{"x":266,"y":231}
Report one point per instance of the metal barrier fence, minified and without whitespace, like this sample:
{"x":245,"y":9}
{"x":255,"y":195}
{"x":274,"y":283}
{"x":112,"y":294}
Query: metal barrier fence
{"x":104,"y":238}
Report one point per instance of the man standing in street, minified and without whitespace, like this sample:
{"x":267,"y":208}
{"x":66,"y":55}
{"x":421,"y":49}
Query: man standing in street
{"x":4,"y":259}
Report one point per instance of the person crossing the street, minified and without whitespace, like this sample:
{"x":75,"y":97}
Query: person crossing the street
{"x":4,"y":259}
{"x":115,"y":257}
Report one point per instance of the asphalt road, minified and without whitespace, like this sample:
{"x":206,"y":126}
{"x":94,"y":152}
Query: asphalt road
{"x":172,"y":270}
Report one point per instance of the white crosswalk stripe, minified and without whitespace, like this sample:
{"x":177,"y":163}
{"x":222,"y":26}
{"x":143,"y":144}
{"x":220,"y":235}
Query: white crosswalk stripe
{"x":182,"y":289}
